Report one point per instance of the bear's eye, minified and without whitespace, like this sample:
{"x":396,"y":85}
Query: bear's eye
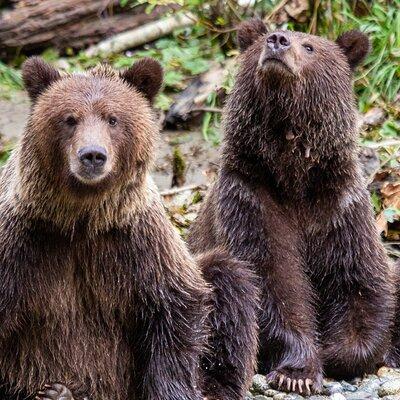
{"x":308,"y":47}
{"x":71,"y":121}
{"x":112,"y":121}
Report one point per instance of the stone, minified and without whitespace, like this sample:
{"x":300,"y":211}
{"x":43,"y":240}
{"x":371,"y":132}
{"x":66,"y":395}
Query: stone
{"x":280,"y":396}
{"x":389,"y":388}
{"x":386,"y":372}
{"x":348,"y":387}
{"x":360,"y":395}
{"x":332,"y":387}
{"x":260,"y":385}
{"x":293,"y":396}
{"x":337,"y":396}
{"x":370,"y":385}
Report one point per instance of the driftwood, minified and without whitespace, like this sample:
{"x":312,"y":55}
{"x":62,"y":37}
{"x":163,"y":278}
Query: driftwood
{"x":139,"y":36}
{"x":190,"y":104}
{"x":35,"y":24}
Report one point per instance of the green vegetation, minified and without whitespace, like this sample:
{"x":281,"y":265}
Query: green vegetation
{"x":188,"y":52}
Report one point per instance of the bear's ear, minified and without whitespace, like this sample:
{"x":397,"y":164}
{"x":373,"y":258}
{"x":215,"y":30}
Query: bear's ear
{"x":249,"y":31}
{"x":37,"y":76}
{"x":146,"y":75}
{"x":355,"y":45}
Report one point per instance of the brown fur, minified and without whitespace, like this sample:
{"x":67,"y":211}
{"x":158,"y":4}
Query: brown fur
{"x":97,"y":290}
{"x":291,"y":201}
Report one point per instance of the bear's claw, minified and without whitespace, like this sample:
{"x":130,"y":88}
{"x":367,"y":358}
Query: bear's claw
{"x":55,"y":391}
{"x":292,"y":382}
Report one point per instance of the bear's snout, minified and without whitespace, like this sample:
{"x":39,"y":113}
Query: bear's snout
{"x":278,"y":42}
{"x":93,"y":157}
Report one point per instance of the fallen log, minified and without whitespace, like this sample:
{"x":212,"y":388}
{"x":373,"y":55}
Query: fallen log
{"x":33,"y":25}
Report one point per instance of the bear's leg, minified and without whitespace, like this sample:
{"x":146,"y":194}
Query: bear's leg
{"x":230,"y":362}
{"x":288,"y":340}
{"x":255,"y":228}
{"x":168,"y":339}
{"x":356,"y":288}
{"x":54,"y":391}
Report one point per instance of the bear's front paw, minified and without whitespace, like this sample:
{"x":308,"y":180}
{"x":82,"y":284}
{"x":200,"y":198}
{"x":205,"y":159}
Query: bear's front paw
{"x":306,"y":380}
{"x":54,"y":391}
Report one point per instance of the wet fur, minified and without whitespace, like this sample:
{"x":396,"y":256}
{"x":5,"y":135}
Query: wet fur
{"x":290,"y":200}
{"x":97,"y":290}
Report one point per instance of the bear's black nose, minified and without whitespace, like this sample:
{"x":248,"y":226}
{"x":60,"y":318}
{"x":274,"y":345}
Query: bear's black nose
{"x":278,"y":41}
{"x":92,"y":156}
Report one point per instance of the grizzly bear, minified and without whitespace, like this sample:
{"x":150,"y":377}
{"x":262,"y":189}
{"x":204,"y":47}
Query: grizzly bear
{"x":291,"y":201}
{"x":99,"y":297}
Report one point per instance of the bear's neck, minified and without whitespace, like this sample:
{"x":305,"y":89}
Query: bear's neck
{"x":270,"y":136}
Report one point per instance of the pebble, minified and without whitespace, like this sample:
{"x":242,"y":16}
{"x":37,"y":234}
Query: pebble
{"x":332,"y":387}
{"x":280,"y":396}
{"x":348,"y":387}
{"x":360,"y":395}
{"x":319,"y":397}
{"x":260,"y":385}
{"x":388,"y":373}
{"x":385,"y":385}
{"x":390,"y":388}
{"x":337,"y":396}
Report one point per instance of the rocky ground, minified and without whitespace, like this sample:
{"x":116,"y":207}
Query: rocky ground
{"x":384,"y":385}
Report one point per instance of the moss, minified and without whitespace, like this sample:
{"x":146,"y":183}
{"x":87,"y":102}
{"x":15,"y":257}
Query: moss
{"x":178,"y":167}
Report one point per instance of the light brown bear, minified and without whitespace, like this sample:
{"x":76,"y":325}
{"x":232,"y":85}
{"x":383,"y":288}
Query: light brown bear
{"x":99,"y":297}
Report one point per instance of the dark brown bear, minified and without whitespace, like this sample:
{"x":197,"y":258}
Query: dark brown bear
{"x":99,"y":298}
{"x":290,"y":200}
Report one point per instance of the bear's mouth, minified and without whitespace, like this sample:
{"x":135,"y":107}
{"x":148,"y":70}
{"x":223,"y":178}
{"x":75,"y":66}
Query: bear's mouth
{"x":267,"y":62}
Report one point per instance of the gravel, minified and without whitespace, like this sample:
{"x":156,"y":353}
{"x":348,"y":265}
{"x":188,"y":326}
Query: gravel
{"x":384,"y":385}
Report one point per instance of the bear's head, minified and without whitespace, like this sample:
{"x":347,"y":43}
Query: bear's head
{"x":309,"y":72}
{"x":301,"y":56}
{"x":91,"y":132}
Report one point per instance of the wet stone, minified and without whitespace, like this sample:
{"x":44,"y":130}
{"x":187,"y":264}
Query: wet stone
{"x":370,"y":385}
{"x":260,"y":385}
{"x":332,"y":387}
{"x":348,"y":387}
{"x":280,"y":396}
{"x":390,"y":388}
{"x":337,"y":396}
{"x":388,"y":373}
{"x":293,"y":396}
{"x":361,"y":395}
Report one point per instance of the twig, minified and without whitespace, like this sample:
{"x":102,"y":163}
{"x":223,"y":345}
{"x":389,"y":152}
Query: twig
{"x":383,"y":143}
{"x":275,"y":10}
{"x":136,"y":37}
{"x":207,"y":109}
{"x":174,"y":191}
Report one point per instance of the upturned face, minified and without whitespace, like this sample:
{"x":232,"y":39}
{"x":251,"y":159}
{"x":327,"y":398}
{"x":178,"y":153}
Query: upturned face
{"x":297,"y":54}
{"x":301,"y":62}
{"x":92,"y":131}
